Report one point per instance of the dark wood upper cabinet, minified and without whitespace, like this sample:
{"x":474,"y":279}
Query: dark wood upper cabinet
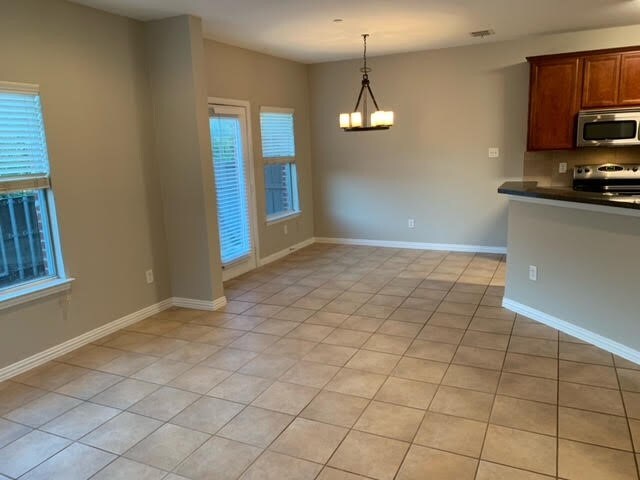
{"x":601,"y":81}
{"x":553,"y":103}
{"x":629,"y":79}
{"x":563,"y":84}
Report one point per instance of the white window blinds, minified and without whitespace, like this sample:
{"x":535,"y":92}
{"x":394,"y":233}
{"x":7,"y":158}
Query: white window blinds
{"x":23,"y":146}
{"x":231,"y":188}
{"x":278,"y":142}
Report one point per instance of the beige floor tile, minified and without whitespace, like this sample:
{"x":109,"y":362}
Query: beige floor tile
{"x":50,"y":376}
{"x":167,"y":447}
{"x":387,"y":344}
{"x":595,"y":375}
{"x":472,"y":378}
{"x":441,"y":334}
{"x":454,"y":434}
{"x":524,"y":415}
{"x":632,"y":404}
{"x":199,"y":379}
{"x":586,"y":397}
{"x":255,"y":426}
{"x":577,"y":352}
{"x":362,"y":323}
{"x":347,"y":338}
{"x":531,"y":365}
{"x":243,"y":322}
{"x":493,"y":341}
{"x":193,"y":352}
{"x":164,"y":403}
{"x":491,"y":325}
{"x":408,"y":393}
{"x":329,"y":473}
{"x":374,"y":362}
{"x":330,"y":354}
{"x":27,"y":452}
{"x":410,"y":315}
{"x":387,"y":420}
{"x":629,"y":379}
{"x":276,"y":327}
{"x":310,"y":332}
{"x":89,"y":384}
{"x":335,"y":408}
{"x":528,"y":387}
{"x":14,"y":395}
{"x":309,"y":440}
{"x":291,"y":347}
{"x":128,"y":363}
{"x":40,"y":411}
{"x":268,"y":366}
{"x":207,"y":414}
{"x":285,"y":397}
{"x":624,"y":363}
{"x":421,"y":370}
{"x":356,"y":382}
{"x":399,"y":328}
{"x":437,"y":351}
{"x":85,"y":460}
{"x":462,"y":297}
{"x":121,"y":432}
{"x":634,"y":426}
{"x":240,"y":388}
{"x":229,"y":359}
{"x":450,"y":319}
{"x":80,"y":420}
{"x":124,"y":394}
{"x":493,"y":471}
{"x":275,"y":466}
{"x":534,"y":330}
{"x":369,"y":455}
{"x":579,"y":461}
{"x":516,"y":448}
{"x":310,"y":374}
{"x":294,"y":314}
{"x":254,"y":342}
{"x":597,"y":428}
{"x":162,"y":371}
{"x":10,"y":431}
{"x":462,"y":403}
{"x":125,"y":469}
{"x":479,"y":357}
{"x":423,"y":462}
{"x":330,"y":319}
{"x":91,"y":356}
{"x":534,"y":346}
{"x":380,"y":312}
{"x":226,"y":459}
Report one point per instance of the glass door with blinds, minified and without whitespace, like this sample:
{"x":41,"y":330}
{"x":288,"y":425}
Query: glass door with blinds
{"x":230,"y":149}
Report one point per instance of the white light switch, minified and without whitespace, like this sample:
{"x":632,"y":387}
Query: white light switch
{"x":533,"y":273}
{"x":562,"y":168}
{"x":494,"y":152}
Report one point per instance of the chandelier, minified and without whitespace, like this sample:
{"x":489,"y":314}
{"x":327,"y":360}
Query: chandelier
{"x":356,"y":121}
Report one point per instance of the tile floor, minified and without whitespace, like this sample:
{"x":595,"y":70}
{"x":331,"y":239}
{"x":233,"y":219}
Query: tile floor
{"x":335,"y":363}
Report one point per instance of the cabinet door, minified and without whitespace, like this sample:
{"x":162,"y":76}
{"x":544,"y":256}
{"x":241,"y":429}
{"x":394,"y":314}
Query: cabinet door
{"x":630,"y":79}
{"x":554,"y":103}
{"x":601,"y":80}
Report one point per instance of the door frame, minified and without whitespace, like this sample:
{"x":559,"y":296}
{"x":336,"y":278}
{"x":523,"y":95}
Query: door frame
{"x":253,"y":207}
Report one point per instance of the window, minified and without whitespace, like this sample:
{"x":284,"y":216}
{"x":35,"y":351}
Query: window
{"x":279,"y":155}
{"x":29,"y":251}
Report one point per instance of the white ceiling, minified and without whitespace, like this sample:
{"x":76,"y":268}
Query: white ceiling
{"x":304,"y":30}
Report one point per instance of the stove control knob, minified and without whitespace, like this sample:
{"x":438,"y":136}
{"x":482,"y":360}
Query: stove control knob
{"x":586,"y":170}
{"x":635,"y":169}
{"x":579,"y":170}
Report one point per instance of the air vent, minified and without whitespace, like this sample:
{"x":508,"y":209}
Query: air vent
{"x":482,"y":33}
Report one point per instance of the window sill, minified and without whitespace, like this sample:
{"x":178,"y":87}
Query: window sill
{"x":282,"y":218}
{"x":34,"y":291}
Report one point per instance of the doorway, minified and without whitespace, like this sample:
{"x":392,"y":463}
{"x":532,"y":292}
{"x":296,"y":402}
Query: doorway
{"x":235,"y":192}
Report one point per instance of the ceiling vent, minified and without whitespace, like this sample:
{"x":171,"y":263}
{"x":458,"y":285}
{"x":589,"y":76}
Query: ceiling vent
{"x":482,"y":33}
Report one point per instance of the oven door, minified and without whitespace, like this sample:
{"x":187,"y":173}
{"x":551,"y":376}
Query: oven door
{"x":608,"y":128}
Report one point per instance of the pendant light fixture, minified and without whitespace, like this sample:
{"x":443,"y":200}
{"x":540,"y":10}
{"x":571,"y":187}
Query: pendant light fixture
{"x":358,"y":120}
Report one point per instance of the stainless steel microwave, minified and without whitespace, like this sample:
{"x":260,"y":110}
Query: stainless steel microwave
{"x":609,"y":128}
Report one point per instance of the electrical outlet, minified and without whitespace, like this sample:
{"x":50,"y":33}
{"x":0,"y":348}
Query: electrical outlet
{"x":149,"y":275}
{"x":411,"y":223}
{"x":533,"y":273}
{"x":494,"y":152}
{"x":562,"y":168}
{"x":286,"y":229}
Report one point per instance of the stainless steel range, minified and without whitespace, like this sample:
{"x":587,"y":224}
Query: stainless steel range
{"x":609,"y":178}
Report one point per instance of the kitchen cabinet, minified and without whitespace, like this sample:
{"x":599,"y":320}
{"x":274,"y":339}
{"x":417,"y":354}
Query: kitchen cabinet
{"x":554,"y":103}
{"x":561,"y":85}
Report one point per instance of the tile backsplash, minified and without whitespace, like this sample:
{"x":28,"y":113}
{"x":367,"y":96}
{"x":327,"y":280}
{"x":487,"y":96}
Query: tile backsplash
{"x":543,"y":167}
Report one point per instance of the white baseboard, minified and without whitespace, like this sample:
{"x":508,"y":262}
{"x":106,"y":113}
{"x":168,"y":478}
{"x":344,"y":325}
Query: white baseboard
{"x":573,"y":330}
{"x":450,"y":247}
{"x":283,"y":253}
{"x":81,"y":340}
{"x":199,"y":304}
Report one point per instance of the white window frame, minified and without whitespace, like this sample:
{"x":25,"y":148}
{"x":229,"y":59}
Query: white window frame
{"x":280,"y":217}
{"x":39,"y":288}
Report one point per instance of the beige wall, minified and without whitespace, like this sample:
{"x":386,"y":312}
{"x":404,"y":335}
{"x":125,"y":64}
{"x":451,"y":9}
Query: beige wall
{"x":183,"y":154}
{"x":451,"y":105}
{"x":91,"y":70}
{"x":587,"y":267}
{"x":263,"y":80}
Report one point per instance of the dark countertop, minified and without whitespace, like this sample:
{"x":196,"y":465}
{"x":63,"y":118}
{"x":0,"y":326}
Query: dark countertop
{"x":566,"y":194}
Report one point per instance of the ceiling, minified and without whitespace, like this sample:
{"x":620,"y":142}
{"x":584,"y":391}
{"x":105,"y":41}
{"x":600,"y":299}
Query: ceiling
{"x":304,"y":30}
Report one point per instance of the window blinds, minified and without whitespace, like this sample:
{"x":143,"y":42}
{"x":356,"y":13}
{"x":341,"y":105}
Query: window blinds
{"x":23,"y":147}
{"x":231,"y":188}
{"x":278,"y":142}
